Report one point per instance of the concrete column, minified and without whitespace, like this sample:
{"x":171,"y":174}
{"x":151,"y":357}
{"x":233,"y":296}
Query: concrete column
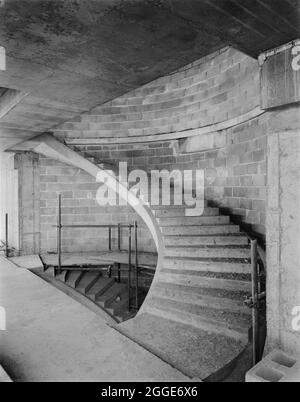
{"x":9,"y":184}
{"x":280,"y":96}
{"x":283,"y":244}
{"x":29,"y":208}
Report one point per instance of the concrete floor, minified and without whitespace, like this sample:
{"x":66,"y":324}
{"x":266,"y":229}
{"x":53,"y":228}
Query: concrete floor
{"x":51,"y":337}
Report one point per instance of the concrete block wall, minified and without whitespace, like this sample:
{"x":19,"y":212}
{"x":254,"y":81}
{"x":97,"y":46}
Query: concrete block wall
{"x":217,"y":88}
{"x":235,"y":173}
{"x":79,"y":206}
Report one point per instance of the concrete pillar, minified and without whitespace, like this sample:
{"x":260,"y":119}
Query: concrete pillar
{"x":283,"y":198}
{"x":29,"y":200}
{"x":283,"y":245}
{"x":9,"y":185}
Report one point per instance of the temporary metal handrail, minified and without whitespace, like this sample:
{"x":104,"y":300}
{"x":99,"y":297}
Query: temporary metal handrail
{"x":129,"y":268}
{"x":254,"y":267}
{"x":6,"y":236}
{"x":119,"y":226}
{"x":8,"y":250}
{"x":255,"y":301}
{"x":136,"y":266}
{"x":4,"y":244}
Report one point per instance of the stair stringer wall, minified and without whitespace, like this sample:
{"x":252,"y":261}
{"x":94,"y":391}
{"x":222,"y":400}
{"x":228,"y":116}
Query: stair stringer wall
{"x":47,"y":146}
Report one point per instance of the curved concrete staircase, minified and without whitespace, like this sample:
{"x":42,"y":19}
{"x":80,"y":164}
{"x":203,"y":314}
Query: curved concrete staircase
{"x":194,"y":316}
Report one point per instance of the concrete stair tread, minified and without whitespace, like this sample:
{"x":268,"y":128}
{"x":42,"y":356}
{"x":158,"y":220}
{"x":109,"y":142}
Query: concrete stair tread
{"x":213,"y":247}
{"x":118,"y":307}
{"x":73,"y":278}
{"x":195,"y":352}
{"x":204,"y":323}
{"x":87,"y":281}
{"x":200,"y":230}
{"x":125,"y":315}
{"x":179,"y":212}
{"x":207,"y":265}
{"x":111,"y":294}
{"x":225,"y":276}
{"x":234,"y":295}
{"x":173,"y":207}
{"x":193,"y":296}
{"x":210,"y":251}
{"x":62,"y":276}
{"x":193,"y":279}
{"x":198,"y":240}
{"x":210,"y":258}
{"x":194,"y":221}
{"x":233,"y":325}
{"x":100,"y":287}
{"x":196,"y":236}
{"x":50,"y":271}
{"x":236,"y":320}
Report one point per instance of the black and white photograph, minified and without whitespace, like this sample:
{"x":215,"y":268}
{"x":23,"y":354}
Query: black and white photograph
{"x":149,"y":194}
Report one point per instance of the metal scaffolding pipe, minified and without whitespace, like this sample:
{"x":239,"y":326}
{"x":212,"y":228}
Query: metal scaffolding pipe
{"x":59,"y":227}
{"x":136,"y":266}
{"x":129,"y":267}
{"x":255,"y":334}
{"x":6,"y":236}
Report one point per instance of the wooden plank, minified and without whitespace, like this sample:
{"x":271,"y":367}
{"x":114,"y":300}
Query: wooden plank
{"x":280,"y":77}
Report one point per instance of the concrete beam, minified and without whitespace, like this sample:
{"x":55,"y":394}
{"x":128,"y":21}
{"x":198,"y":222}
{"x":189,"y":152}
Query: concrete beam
{"x":9,"y":100}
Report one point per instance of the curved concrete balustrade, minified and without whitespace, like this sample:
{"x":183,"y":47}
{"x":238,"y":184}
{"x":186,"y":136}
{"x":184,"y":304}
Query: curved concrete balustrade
{"x":48,"y":146}
{"x":213,"y":91}
{"x":92,"y":138}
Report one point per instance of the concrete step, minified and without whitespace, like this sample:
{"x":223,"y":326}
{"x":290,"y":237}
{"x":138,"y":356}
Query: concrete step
{"x":125,"y":315}
{"x":195,"y":352}
{"x":51,"y":271}
{"x":174,"y":207}
{"x":191,"y":295}
{"x":87,"y":281}
{"x":194,"y":279}
{"x":62,"y":276}
{"x":200,"y":230}
{"x":73,"y":278}
{"x":234,"y":325}
{"x":201,"y":291}
{"x":118,"y":307}
{"x":194,"y":221}
{"x":100,"y":287}
{"x":206,"y":266}
{"x":179,"y":212}
{"x":205,"y":240}
{"x":115,"y":291}
{"x":208,"y":251}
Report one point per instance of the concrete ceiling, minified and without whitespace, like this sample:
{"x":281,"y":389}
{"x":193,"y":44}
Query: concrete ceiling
{"x":66,"y":57}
